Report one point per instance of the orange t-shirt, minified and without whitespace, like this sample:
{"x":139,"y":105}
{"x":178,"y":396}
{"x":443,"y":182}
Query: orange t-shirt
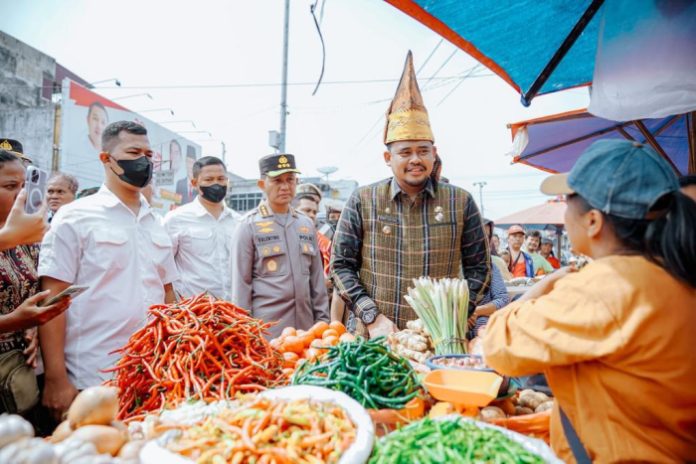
{"x":553,"y":261}
{"x":519,"y":269}
{"x":325,"y":249}
{"x":616,"y":345}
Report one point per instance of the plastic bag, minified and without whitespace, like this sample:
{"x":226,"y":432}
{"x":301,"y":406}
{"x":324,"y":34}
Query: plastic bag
{"x":387,"y":420}
{"x":537,"y":425}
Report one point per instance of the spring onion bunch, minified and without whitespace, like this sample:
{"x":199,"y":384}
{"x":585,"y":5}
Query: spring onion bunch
{"x":443,"y":306}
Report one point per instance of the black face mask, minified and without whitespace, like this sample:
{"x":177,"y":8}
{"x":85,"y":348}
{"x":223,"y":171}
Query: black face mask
{"x":137,"y":172}
{"x":215,"y":193}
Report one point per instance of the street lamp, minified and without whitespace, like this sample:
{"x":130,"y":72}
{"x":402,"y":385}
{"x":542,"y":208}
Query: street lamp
{"x":134,"y":95}
{"x":116,"y":81}
{"x":480,"y":185}
{"x":177,"y":122}
{"x":196,"y":132}
{"x":171,"y":111}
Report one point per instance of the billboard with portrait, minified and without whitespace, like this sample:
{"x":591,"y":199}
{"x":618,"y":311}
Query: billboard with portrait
{"x":85,"y":114}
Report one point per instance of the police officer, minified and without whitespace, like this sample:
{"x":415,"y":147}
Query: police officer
{"x":277,"y":270}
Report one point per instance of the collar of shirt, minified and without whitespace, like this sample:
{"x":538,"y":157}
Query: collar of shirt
{"x":266,"y":211}
{"x":110,"y":200}
{"x":395,"y":188}
{"x":199,"y":210}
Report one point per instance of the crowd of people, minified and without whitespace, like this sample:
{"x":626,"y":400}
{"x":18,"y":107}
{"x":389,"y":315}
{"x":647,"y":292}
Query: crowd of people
{"x":602,"y":335}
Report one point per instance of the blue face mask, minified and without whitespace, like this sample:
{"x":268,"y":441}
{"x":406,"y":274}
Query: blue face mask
{"x":137,"y":172}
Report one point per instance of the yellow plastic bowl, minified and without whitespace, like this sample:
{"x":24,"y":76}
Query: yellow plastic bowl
{"x":466,"y":388}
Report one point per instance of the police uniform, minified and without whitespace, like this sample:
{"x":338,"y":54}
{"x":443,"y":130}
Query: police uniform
{"x":277,"y":267}
{"x":15,"y":147}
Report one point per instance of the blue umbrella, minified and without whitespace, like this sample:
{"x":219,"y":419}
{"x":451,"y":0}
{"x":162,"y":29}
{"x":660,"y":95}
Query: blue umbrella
{"x":537,"y":47}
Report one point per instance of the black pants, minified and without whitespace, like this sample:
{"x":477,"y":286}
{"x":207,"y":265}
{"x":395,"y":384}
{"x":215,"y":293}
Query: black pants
{"x":40,"y":416}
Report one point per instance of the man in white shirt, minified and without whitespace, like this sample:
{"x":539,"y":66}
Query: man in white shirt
{"x":201,"y":232}
{"x":111,"y":243}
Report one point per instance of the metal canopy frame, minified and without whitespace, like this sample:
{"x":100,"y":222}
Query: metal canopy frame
{"x":562,"y":51}
{"x":650,"y":137}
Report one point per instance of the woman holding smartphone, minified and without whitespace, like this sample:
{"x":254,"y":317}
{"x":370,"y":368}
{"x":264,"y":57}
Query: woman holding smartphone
{"x":20,"y":312}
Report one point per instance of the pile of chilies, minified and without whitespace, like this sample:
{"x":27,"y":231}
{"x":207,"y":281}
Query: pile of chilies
{"x":198,"y":348}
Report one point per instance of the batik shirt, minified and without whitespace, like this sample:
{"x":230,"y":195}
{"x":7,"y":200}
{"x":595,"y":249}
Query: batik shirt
{"x":18,"y":281}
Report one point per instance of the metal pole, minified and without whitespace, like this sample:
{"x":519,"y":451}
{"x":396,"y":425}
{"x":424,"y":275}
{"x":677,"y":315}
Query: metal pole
{"x":55,"y":159}
{"x":284,"y":86}
{"x":561,"y":52}
{"x":224,"y":151}
{"x":480,"y":185}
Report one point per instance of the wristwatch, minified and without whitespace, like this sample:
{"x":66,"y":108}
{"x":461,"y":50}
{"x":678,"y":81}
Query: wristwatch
{"x":368,"y":316}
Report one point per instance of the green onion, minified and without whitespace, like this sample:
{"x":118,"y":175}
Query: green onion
{"x":443,"y":306}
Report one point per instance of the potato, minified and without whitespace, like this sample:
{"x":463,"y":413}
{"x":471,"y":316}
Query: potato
{"x":531,"y":399}
{"x":94,"y":406}
{"x":108,"y":440}
{"x":441,"y":408}
{"x":507,"y":405}
{"x":61,"y":432}
{"x":545,"y":406}
{"x":522,"y":411}
{"x":492,"y":412}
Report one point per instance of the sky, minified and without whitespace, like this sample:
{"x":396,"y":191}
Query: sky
{"x":218,"y":63}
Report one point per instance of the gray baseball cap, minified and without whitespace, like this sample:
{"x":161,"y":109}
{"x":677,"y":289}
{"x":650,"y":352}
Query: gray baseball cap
{"x":617,"y":177}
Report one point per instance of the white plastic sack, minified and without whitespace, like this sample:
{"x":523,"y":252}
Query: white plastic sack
{"x":645,"y":68}
{"x":358,"y":453}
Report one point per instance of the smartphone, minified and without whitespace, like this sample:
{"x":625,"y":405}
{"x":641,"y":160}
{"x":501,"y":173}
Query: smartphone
{"x":72,"y":291}
{"x":35,"y":186}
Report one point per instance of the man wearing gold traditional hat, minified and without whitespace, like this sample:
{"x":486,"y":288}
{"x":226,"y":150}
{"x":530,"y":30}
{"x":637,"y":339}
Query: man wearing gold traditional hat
{"x":406,"y":226}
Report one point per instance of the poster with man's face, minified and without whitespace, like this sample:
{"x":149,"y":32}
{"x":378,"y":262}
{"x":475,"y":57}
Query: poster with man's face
{"x":85,"y":115}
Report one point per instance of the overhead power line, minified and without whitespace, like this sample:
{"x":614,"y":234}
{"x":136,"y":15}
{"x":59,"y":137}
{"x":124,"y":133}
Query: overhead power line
{"x":253,"y":85}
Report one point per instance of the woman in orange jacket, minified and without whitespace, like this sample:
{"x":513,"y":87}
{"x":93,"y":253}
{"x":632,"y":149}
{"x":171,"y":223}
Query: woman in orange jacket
{"x":615,"y":339}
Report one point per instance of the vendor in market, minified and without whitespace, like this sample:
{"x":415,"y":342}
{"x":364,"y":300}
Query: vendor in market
{"x":546,"y":252}
{"x":615,"y":338}
{"x":521,"y":263}
{"x":406,"y":226}
{"x":532,"y":247}
{"x":277,"y":271}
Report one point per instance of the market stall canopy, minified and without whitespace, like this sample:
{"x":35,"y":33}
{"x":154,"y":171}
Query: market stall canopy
{"x":553,"y":143}
{"x":518,"y":40}
{"x":543,"y":47}
{"x":550,"y":213}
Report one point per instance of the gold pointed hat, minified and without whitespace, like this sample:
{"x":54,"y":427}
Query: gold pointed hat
{"x":407,"y":118}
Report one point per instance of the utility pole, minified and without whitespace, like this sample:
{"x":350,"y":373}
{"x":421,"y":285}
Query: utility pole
{"x":224,"y":151}
{"x":284,"y":86}
{"x":480,"y":185}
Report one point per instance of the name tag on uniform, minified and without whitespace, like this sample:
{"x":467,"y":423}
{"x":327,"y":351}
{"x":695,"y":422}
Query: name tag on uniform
{"x":267,"y":238}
